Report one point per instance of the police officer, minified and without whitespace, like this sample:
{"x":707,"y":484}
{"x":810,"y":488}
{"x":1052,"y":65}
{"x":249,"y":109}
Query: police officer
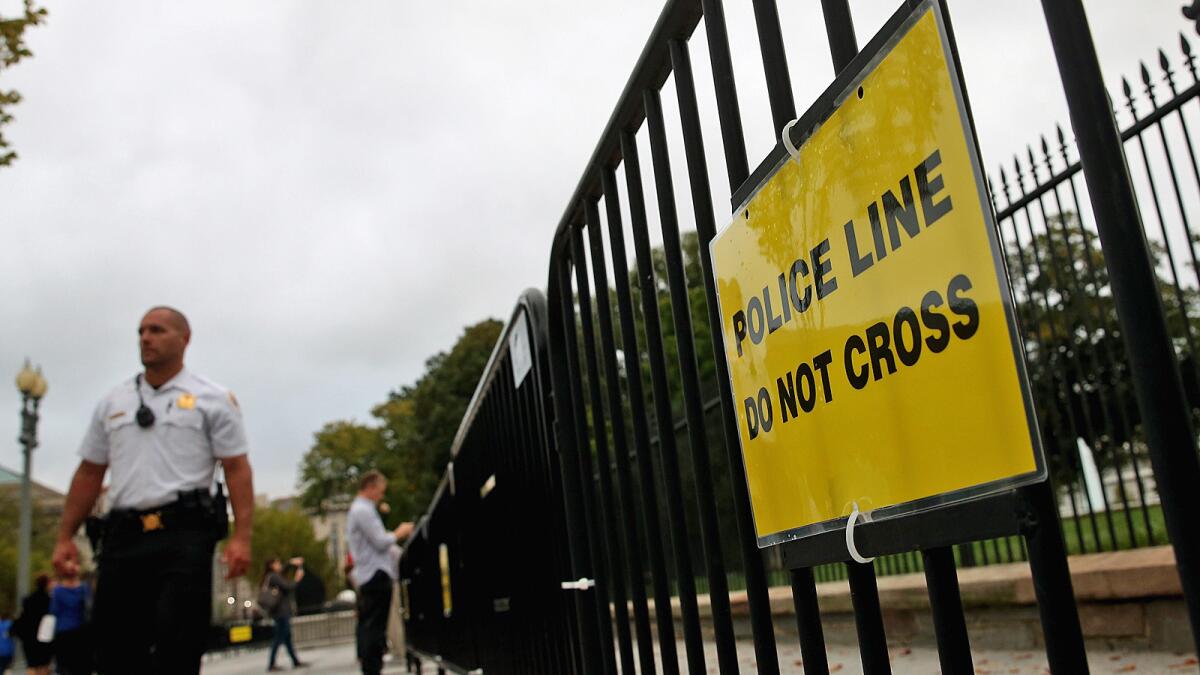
{"x":161,"y":433}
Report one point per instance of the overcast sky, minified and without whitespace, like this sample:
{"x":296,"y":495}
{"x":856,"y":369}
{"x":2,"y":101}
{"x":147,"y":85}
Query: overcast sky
{"x":332,"y":191}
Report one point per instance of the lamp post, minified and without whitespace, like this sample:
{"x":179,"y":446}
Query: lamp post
{"x":32,"y":387}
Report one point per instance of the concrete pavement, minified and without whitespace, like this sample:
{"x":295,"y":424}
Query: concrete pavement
{"x":339,"y":660}
{"x":331,"y":660}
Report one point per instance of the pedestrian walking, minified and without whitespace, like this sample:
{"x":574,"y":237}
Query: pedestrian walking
{"x":69,"y":605}
{"x":279,"y":593}
{"x":7,"y":648}
{"x":34,"y":608}
{"x":159,"y":435}
{"x":375,"y":572}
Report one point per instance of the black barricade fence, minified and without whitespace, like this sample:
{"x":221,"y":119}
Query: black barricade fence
{"x":630,"y":441}
{"x":482,"y":576}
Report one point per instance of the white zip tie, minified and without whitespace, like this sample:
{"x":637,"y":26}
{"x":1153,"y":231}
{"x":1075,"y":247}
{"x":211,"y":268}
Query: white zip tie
{"x":786,"y":137}
{"x":850,"y":536}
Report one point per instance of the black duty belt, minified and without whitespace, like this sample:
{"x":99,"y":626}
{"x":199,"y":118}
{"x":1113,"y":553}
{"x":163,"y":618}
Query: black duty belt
{"x":195,"y":510}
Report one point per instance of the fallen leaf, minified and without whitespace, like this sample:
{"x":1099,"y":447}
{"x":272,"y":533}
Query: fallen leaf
{"x":835,"y":667}
{"x":905,"y":651}
{"x":799,"y":662}
{"x":1024,"y":656}
{"x":1127,"y":668}
{"x":1186,"y":663}
{"x":1115,"y":657}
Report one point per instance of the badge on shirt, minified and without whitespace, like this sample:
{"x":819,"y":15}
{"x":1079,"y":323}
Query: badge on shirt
{"x":186,"y":402}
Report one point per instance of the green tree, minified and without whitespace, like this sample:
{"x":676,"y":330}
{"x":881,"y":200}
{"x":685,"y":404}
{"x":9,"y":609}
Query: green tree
{"x":411,"y":434}
{"x":12,"y":50}
{"x":1074,"y":349}
{"x":341,"y":453}
{"x":45,"y":527}
{"x":284,"y":534}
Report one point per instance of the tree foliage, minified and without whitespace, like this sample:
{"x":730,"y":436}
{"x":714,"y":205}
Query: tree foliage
{"x":409,"y":437}
{"x":1078,"y":367}
{"x":285,"y":534}
{"x":45,"y":528}
{"x":12,"y":50}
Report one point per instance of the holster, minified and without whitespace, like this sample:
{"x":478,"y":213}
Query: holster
{"x":94,"y":527}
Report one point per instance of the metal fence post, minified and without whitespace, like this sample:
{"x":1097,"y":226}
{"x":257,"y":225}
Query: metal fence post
{"x":1166,"y":416}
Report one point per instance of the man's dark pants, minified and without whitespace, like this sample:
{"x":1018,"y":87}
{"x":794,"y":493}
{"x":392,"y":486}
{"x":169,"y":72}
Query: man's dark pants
{"x":153,"y":601}
{"x":374,"y":602}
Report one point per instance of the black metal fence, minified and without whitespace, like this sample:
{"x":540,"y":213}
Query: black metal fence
{"x":481,"y":576}
{"x":642,"y":511}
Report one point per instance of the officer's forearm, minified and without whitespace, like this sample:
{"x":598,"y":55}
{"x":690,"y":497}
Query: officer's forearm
{"x":85,"y":489}
{"x":241,"y":494}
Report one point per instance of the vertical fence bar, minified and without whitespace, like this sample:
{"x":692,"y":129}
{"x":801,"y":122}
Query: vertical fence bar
{"x":734,"y":145}
{"x":839,"y":27}
{"x":710,"y":530}
{"x":633,"y":548}
{"x":693,"y":639}
{"x":595,"y":656}
{"x":808,"y":622}
{"x":868,"y":619}
{"x":1065,"y":650}
{"x":949,"y":624}
{"x":641,"y":433}
{"x":607,"y":503}
{"x":1165,"y":413}
{"x":774,"y":58}
{"x":583,"y":457}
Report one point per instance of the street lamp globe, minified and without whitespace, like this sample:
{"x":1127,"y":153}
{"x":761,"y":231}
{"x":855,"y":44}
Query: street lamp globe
{"x":26,"y":378}
{"x":40,"y":385}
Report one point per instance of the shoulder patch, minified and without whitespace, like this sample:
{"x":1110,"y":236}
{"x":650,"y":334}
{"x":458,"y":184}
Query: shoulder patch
{"x":234,"y":401}
{"x":116,"y":414}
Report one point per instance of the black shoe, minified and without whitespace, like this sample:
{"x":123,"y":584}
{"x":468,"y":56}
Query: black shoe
{"x":301,"y":664}
{"x":274,"y":669}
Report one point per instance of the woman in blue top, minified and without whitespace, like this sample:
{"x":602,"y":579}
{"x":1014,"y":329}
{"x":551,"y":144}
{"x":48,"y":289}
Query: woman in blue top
{"x":72,"y":650}
{"x":6,"y":642}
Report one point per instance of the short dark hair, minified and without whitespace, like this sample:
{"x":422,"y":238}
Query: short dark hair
{"x":175,"y":314}
{"x":370,"y":478}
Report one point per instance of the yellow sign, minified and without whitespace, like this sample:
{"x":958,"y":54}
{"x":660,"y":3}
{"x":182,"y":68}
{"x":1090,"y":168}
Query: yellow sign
{"x":240,"y":634}
{"x":867,"y":321}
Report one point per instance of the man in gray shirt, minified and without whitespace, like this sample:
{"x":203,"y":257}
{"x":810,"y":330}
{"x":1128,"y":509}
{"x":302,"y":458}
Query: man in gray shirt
{"x":371,"y":546}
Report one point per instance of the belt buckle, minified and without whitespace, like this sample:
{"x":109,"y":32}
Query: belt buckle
{"x":152,"y":521}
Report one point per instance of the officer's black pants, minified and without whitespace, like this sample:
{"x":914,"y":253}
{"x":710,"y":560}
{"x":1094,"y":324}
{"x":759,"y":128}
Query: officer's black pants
{"x":374,"y":602}
{"x":153,"y":602}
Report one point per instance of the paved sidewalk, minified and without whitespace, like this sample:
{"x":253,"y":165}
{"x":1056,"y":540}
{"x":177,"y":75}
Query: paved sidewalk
{"x":339,"y":660}
{"x":332,"y":660}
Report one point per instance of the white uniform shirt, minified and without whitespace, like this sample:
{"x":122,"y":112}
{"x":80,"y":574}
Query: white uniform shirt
{"x":371,"y":544}
{"x":196,"y":422}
